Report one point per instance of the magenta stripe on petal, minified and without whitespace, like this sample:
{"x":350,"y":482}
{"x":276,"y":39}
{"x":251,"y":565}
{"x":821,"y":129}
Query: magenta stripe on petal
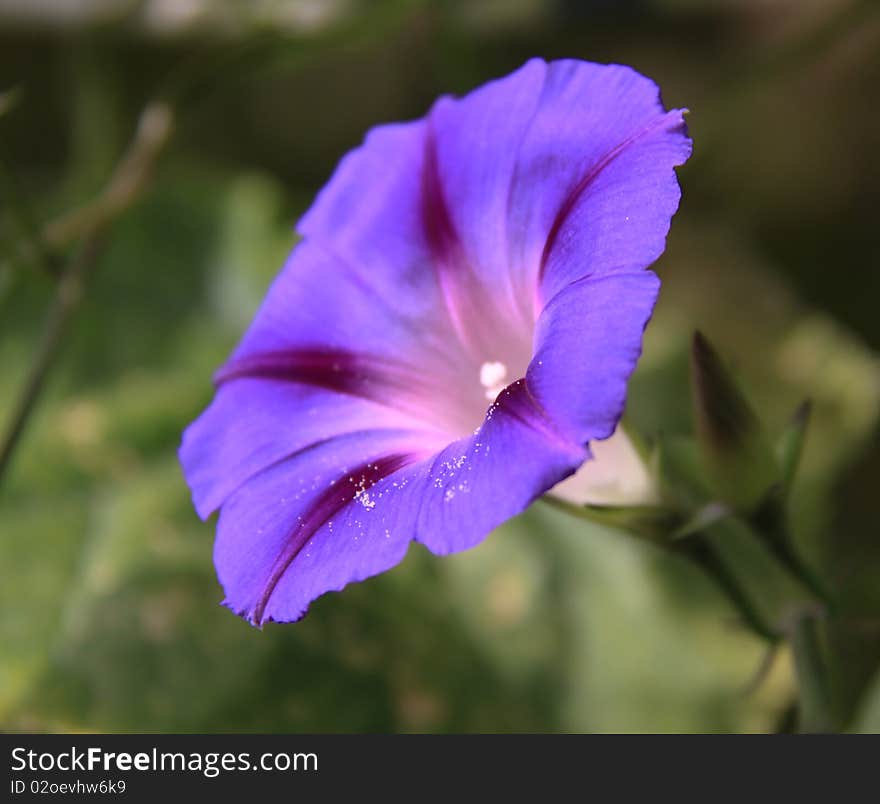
{"x":349,"y":487}
{"x":594,"y":173}
{"x":442,"y":238}
{"x":453,"y":277}
{"x":334,"y":369}
{"x":521,"y":404}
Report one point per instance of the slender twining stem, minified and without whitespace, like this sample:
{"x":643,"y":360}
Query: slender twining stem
{"x":67,"y":295}
{"x":88,"y":226}
{"x":126,"y":183}
{"x":814,"y":689}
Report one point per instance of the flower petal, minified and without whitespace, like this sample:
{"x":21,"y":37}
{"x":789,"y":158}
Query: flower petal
{"x":252,"y":424}
{"x":620,"y":216}
{"x":481,"y":481}
{"x":323,"y":357}
{"x":594,"y":187}
{"x":321,"y":301}
{"x":436,"y":249}
{"x":297,"y":529}
{"x":347,"y":509}
{"x":370,"y":216}
{"x":587,"y":343}
{"x":476,"y":140}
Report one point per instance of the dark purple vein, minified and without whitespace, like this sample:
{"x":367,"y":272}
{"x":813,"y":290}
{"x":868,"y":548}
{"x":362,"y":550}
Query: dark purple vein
{"x":327,"y":505}
{"x":443,"y":240}
{"x":518,"y":402}
{"x":595,"y":171}
{"x":337,"y":370}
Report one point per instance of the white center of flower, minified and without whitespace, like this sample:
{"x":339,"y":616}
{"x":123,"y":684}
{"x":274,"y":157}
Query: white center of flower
{"x":492,"y":378}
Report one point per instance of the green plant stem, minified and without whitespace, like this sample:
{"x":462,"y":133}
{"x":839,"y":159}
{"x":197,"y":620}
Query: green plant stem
{"x":695,"y":547}
{"x":87,"y":226}
{"x":68,"y":292}
{"x":128,"y":181}
{"x":703,"y":554}
{"x":814,"y":691}
{"x":770,"y":524}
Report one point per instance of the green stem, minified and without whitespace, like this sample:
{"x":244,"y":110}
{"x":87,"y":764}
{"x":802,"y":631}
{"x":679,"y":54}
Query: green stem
{"x":88,"y":225}
{"x":702,"y":553}
{"x":656,"y":524}
{"x":769,"y":523}
{"x":815,"y":713}
{"x":801,"y":632}
{"x":814,"y":691}
{"x":68,"y":293}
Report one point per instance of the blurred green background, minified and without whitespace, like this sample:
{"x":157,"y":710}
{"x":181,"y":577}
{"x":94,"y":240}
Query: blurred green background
{"x":109,"y":615}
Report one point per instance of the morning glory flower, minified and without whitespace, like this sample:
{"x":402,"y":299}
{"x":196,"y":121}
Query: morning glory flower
{"x":456,"y":326}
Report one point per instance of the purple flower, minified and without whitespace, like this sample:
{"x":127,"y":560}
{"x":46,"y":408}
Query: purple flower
{"x":458,"y":323}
